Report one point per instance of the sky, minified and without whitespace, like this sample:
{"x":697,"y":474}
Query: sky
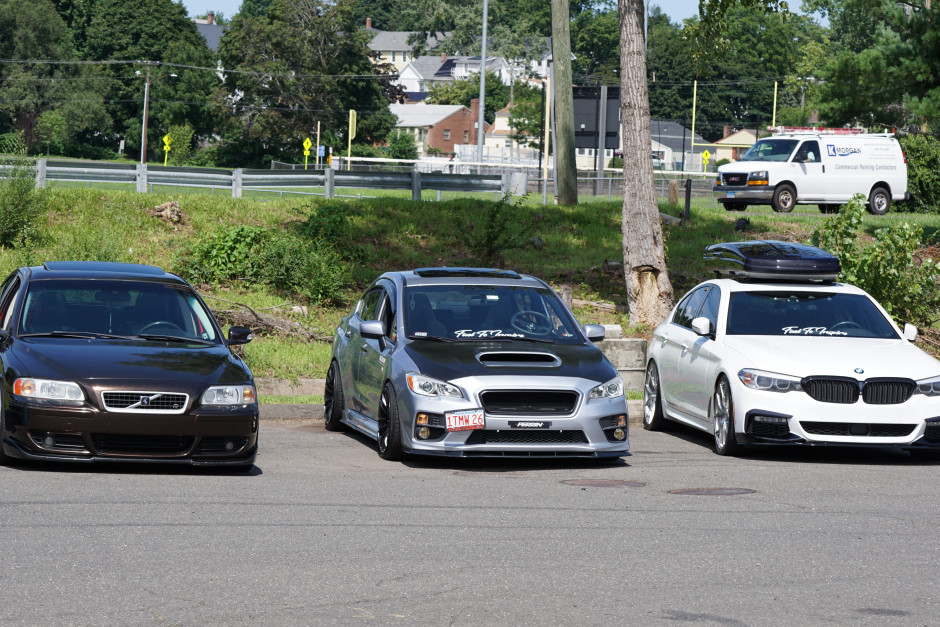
{"x":677,"y":10}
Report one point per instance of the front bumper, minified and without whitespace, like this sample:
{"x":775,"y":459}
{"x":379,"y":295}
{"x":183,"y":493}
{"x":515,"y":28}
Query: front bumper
{"x":794,"y":418}
{"x":205,"y":437}
{"x":585,"y":432}
{"x":757,"y":195}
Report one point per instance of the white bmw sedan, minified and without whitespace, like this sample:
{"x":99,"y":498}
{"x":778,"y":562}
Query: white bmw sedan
{"x":763,"y":361}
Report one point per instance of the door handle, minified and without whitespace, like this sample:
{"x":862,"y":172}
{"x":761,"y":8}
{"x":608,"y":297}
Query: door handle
{"x":348,"y":333}
{"x":364,"y":349}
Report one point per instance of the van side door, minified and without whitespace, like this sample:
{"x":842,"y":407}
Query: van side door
{"x":812,"y":184}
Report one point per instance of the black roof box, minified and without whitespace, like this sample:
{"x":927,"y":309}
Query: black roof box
{"x":772,"y":260}
{"x":490,"y":273}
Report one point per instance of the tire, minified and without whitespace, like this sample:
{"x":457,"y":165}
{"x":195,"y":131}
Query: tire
{"x":784,"y":198}
{"x":653,"y":418}
{"x":735,"y":206}
{"x":333,"y":400}
{"x":389,"y":440}
{"x":879,"y":201}
{"x":722,"y":414}
{"x":4,"y":460}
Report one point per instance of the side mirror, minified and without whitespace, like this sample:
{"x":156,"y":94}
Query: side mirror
{"x":702,"y":326}
{"x":5,"y":339}
{"x":240,"y":335}
{"x":373,"y":330}
{"x":594,"y":332}
{"x":910,"y":332}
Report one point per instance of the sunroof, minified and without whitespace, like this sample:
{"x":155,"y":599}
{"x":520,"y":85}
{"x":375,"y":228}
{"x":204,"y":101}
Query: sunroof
{"x":467,"y":272}
{"x":110,"y":267}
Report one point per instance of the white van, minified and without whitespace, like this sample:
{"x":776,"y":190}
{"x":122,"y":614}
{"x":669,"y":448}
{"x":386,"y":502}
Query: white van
{"x":816,"y":168}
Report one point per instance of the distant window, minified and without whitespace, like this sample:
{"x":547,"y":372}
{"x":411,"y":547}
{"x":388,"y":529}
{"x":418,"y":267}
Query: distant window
{"x":580,"y":151}
{"x":446,"y":134}
{"x":404,"y":56}
{"x":508,"y":143}
{"x":466,"y":137}
{"x":393,"y":56}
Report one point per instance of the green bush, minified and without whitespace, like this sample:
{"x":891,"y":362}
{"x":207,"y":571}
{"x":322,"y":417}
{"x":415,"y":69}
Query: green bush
{"x":296,"y":266}
{"x":616,"y":163}
{"x":326,"y":222}
{"x":21,"y":204}
{"x":224,"y":255}
{"x":923,"y":173}
{"x":490,"y":229}
{"x":890,"y":269}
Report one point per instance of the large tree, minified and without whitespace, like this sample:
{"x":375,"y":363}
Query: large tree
{"x":38,"y":81}
{"x":303,"y":62}
{"x":649,"y":292}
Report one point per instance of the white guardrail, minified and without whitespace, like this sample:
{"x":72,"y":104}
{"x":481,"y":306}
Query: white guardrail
{"x":145,"y":176}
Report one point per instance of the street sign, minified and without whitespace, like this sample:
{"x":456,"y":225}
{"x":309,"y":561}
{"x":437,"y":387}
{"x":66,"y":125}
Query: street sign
{"x":705,"y":157}
{"x":307,"y":144}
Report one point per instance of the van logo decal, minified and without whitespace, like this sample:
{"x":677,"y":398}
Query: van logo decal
{"x":842,"y":151}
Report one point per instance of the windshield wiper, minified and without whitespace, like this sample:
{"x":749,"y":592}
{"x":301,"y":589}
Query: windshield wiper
{"x":78,"y":334}
{"x":540,"y":340}
{"x":433,"y":338}
{"x":172,"y":338}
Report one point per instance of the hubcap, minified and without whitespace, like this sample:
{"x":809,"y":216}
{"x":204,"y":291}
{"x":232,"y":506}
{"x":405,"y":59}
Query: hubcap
{"x":650,"y":395}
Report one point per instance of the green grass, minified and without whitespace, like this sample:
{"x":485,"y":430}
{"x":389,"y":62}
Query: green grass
{"x":305,"y":399}
{"x":564,"y":245}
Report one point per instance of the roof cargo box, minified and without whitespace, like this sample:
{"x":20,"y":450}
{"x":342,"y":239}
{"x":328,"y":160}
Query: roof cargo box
{"x":773,"y":260}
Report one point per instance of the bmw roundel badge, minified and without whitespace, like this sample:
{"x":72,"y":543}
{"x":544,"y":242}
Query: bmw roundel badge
{"x":859,"y":371}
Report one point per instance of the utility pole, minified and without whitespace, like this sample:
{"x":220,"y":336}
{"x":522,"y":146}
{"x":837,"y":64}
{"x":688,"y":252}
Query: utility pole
{"x":565,"y":165}
{"x":480,"y":120}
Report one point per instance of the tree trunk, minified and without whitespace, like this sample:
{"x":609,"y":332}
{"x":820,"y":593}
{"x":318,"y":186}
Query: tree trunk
{"x":565,"y":163}
{"x":649,"y":292}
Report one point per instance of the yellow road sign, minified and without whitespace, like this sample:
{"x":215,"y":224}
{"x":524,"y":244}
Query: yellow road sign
{"x":706,"y":156}
{"x":167,"y":140}
{"x":307,"y":144}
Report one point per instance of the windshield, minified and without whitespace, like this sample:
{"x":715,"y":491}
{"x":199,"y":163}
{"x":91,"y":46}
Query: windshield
{"x":806,"y":313}
{"x":770,"y":150}
{"x":114,"y":307}
{"x":494,"y":312}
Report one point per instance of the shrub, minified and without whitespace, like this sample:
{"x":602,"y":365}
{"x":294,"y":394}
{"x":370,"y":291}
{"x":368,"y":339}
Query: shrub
{"x":223,"y":255}
{"x":616,"y":162}
{"x":923,"y":173}
{"x":297,"y":266}
{"x":21,"y":203}
{"x":326,"y":222}
{"x":492,"y":230}
{"x":890,"y":269}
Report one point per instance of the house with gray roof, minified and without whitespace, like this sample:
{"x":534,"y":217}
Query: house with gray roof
{"x":438,"y":128}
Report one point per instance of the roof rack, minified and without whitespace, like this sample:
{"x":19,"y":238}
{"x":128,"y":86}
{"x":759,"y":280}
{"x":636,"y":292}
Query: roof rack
{"x":467,"y":272}
{"x":772,"y":260}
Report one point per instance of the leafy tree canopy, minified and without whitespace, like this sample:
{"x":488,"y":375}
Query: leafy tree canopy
{"x":461,"y":92}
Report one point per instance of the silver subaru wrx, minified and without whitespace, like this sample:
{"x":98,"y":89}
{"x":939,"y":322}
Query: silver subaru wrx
{"x":473,"y":362}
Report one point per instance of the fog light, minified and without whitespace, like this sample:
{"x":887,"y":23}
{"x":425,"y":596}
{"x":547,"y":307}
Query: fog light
{"x":620,"y":434}
{"x":49,"y":441}
{"x":422,"y":419}
{"x":772,"y":419}
{"x":229,"y":446}
{"x":424,"y":433}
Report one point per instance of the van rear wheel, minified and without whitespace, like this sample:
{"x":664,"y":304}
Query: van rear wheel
{"x":879,"y":201}
{"x":735,"y":206}
{"x":784,"y":198}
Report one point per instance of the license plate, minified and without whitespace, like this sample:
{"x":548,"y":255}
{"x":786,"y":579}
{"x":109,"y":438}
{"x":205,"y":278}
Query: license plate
{"x":730,"y":194}
{"x":465,"y":420}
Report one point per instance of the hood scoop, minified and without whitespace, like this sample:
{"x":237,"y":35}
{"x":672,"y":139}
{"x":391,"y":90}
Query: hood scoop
{"x":497,"y":359}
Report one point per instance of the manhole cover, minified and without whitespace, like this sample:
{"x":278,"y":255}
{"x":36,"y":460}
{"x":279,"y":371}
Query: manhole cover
{"x":604,"y":483}
{"x":713,"y":491}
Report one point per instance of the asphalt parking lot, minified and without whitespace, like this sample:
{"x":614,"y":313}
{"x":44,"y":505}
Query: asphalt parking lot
{"x":323,"y":531}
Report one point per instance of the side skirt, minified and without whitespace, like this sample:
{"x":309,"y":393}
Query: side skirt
{"x":361,"y":423}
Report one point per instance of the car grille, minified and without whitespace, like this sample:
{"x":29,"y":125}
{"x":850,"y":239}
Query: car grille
{"x":932,"y":432}
{"x":875,"y":430}
{"x":145,"y":402}
{"x":529,"y":402}
{"x":847,"y":391}
{"x":526,"y":436}
{"x":776,"y":430}
{"x":166,"y":445}
{"x":734,"y":179}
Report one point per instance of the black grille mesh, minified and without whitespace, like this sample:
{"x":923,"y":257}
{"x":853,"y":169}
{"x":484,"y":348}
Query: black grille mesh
{"x":831,"y":390}
{"x":526,"y":436}
{"x":887,"y":392}
{"x":529,"y":402}
{"x":770,"y":429}
{"x":143,"y":444}
{"x":845,"y":390}
{"x":932,"y":432}
{"x":875,"y":430}
{"x":144,"y":401}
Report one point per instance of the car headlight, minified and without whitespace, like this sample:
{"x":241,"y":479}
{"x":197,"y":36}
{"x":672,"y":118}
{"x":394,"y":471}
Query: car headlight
{"x":48,"y":390}
{"x":229,"y":395}
{"x":426,"y":386}
{"x":769,"y":381}
{"x":758,"y":178}
{"x":929,"y":387}
{"x":610,"y":389}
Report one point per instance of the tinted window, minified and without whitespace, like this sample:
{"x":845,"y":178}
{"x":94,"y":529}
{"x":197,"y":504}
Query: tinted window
{"x":806,"y":313}
{"x":370,"y":303}
{"x":7,"y":294}
{"x":808,"y":152}
{"x":474,"y":312}
{"x":688,"y":308}
{"x":710,"y":307}
{"x":120,"y":307}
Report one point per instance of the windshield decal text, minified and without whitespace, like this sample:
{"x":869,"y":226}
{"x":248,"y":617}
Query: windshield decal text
{"x":810,"y":331}
{"x":485,"y":333}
